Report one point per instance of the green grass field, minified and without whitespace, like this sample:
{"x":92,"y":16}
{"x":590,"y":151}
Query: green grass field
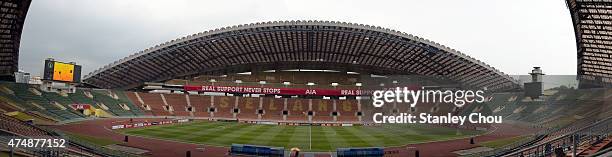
{"x":98,"y":141}
{"x":503,"y":142}
{"x":307,"y":138}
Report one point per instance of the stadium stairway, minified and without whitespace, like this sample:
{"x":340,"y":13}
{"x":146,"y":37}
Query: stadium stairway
{"x":591,"y":149}
{"x":79,"y":97}
{"x":178,"y":103}
{"x":12,"y":100}
{"x":62,"y":100}
{"x":136,"y":101}
{"x":156,"y":103}
{"x":124,"y":99}
{"x":102,"y":96}
{"x":5,"y":107}
{"x":200,"y":105}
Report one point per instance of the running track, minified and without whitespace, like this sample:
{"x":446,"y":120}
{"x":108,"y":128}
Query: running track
{"x":164,"y":148}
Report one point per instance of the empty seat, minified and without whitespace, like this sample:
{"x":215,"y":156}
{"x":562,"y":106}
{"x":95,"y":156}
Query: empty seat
{"x":178,"y":103}
{"x":298,"y":109}
{"x":347,"y":110}
{"x":224,"y":106}
{"x":200,"y":105}
{"x":134,"y":99}
{"x":273,"y":108}
{"x":322,"y":110}
{"x":248,"y":108}
{"x":156,"y":103}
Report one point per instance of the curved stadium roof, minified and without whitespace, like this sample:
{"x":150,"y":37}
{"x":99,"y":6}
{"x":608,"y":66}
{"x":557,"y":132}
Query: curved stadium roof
{"x":298,"y":44}
{"x":592,"y":21}
{"x":12,"y":17}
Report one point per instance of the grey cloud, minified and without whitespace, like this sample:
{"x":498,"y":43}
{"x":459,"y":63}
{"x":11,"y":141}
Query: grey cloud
{"x":512,"y":36}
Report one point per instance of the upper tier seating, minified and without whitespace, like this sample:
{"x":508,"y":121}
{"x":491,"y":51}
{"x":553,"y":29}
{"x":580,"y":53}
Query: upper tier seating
{"x":297,"y":79}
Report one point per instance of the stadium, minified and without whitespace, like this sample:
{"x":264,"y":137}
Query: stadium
{"x":303,"y":88}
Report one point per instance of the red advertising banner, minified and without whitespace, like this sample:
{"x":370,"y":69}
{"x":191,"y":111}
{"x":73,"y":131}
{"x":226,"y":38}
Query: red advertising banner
{"x":81,"y":106}
{"x":144,"y":124}
{"x":279,"y":91}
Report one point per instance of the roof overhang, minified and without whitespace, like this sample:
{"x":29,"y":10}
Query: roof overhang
{"x":297,"y":44}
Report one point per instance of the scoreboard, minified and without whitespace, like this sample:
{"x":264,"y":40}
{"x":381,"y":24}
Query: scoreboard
{"x":63,"y":72}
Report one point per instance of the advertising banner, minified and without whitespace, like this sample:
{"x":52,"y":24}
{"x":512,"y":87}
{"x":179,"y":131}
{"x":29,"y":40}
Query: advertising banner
{"x":279,"y":91}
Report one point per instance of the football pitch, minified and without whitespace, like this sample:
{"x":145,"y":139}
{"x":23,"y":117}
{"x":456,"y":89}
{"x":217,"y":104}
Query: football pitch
{"x":307,"y":138}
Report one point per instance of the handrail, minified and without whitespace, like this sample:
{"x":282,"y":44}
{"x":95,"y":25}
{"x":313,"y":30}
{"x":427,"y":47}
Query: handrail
{"x":563,"y":136}
{"x":504,"y":151}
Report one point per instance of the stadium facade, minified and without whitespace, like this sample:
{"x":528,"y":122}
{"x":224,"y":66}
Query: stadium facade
{"x":592,"y":21}
{"x":282,"y":45}
{"x":12,"y":17}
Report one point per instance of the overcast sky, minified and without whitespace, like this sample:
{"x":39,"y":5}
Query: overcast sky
{"x":510,"y":35}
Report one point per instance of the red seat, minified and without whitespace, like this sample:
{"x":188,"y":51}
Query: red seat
{"x":322,"y":110}
{"x":248,"y":108}
{"x":178,"y":103}
{"x":200,"y":105}
{"x":156,"y":103}
{"x":298,"y":109}
{"x":273,"y":108}
{"x":132,"y":96}
{"x":224,"y":106}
